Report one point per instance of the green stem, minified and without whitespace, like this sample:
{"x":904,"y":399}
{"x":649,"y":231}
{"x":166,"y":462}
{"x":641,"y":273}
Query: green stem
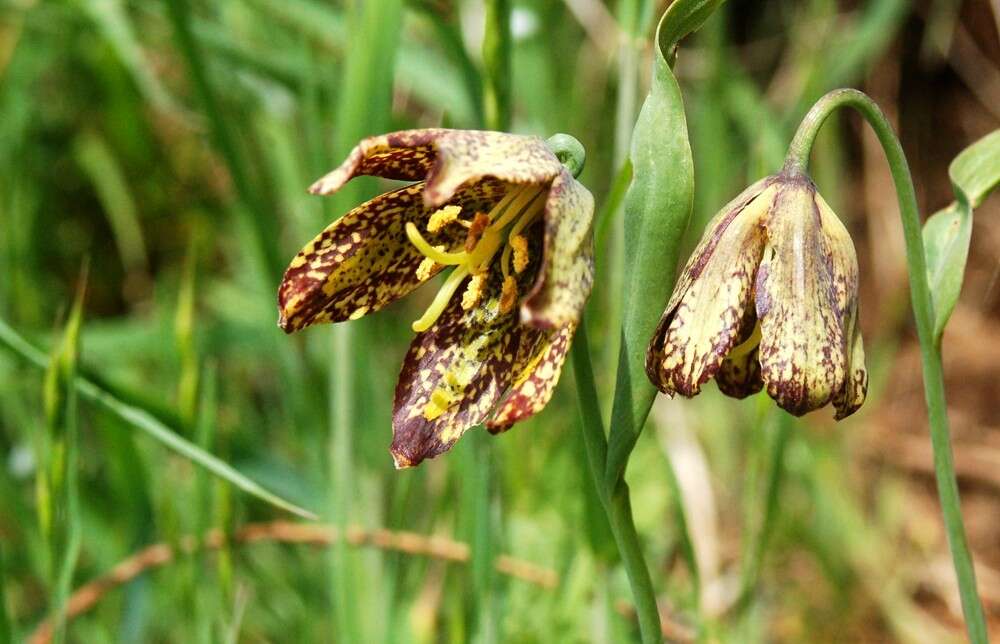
{"x":496,"y":63}
{"x":923,"y":312}
{"x":615,"y":499}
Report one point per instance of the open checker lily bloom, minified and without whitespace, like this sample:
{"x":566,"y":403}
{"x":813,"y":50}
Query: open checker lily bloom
{"x":768,"y":298}
{"x":513,"y":228}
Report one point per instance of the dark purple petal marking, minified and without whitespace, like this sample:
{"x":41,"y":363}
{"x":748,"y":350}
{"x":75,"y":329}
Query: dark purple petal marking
{"x":536,"y":381}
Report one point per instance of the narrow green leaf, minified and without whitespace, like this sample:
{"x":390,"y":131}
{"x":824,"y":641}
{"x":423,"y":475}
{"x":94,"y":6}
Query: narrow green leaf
{"x":657,"y":207}
{"x":974,"y":174}
{"x":59,"y":461}
{"x":683,"y":17}
{"x":149,"y":424}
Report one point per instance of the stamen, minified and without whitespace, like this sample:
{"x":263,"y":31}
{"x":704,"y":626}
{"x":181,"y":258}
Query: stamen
{"x":441,"y":300}
{"x":476,"y":229}
{"x":748,"y":345}
{"x":474,"y":291}
{"x":520,"y":245}
{"x":442,"y":217}
{"x":526,"y":218}
{"x":485,"y":237}
{"x":525,"y":197}
{"x":480,"y":258}
{"x":508,"y":296}
{"x":441,"y":257}
{"x":427,"y":266}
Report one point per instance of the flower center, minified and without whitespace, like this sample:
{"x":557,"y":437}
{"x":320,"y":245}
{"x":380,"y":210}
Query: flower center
{"x":501,"y":227}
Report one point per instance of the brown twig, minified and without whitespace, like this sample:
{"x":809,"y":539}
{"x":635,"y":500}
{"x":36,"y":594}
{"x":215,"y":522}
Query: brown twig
{"x":161,"y":554}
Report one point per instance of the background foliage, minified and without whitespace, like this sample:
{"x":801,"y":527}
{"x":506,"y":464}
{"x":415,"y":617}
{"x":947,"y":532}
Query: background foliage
{"x":169,"y":144}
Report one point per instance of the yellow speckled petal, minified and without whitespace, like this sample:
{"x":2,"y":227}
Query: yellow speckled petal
{"x":844,"y":266}
{"x":364,"y":260}
{"x":455,"y":373}
{"x":714,"y":311}
{"x":536,"y":381}
{"x":567,"y":271}
{"x":447,"y":159}
{"x":406,"y":156}
{"x":855,"y":389}
{"x":706,"y":246}
{"x":804,"y":287}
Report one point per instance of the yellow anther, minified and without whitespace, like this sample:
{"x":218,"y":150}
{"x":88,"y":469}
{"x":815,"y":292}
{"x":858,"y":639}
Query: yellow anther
{"x":479,"y":225}
{"x":442,"y":217}
{"x":427,"y":266}
{"x":508,"y":296}
{"x":520,"y":245}
{"x":474,"y":291}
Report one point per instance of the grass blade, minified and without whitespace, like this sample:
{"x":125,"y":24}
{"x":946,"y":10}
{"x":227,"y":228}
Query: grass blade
{"x":152,"y":426}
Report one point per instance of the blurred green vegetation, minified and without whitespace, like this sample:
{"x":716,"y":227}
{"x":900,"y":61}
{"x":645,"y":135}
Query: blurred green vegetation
{"x":169,"y":145}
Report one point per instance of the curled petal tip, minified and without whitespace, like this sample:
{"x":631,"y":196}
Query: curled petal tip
{"x":320,"y":187}
{"x":400,"y":461}
{"x":283,"y":323}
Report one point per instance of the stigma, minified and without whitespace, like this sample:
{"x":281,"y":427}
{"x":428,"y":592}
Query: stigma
{"x":498,"y":231}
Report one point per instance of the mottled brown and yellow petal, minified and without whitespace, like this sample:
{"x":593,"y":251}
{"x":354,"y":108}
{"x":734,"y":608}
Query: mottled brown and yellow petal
{"x":567,"y":270}
{"x":714,"y":312}
{"x":844,"y":267}
{"x":447,"y":159}
{"x":536,"y":381}
{"x":852,"y":395}
{"x":406,"y":156}
{"x":454,"y":374}
{"x":803,"y":290}
{"x":364,"y":261}
{"x":710,"y":240}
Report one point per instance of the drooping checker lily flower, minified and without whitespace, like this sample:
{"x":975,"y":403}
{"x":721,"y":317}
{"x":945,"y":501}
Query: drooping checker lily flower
{"x":768,"y":298}
{"x":514,"y":228}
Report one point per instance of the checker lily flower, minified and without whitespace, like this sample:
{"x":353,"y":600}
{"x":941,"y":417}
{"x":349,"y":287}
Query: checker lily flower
{"x":768,"y":298}
{"x":513,"y":227}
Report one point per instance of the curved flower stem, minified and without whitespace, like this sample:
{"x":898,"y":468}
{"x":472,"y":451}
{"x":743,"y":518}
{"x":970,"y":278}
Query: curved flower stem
{"x":615,"y":499}
{"x":930,"y":351}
